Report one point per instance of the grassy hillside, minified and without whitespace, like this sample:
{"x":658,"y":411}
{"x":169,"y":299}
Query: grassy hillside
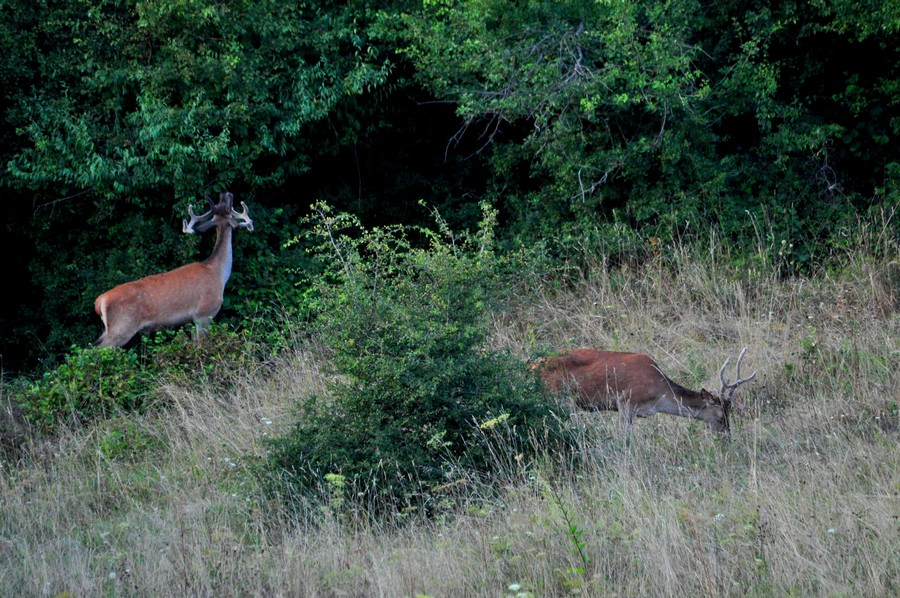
{"x":804,"y":500}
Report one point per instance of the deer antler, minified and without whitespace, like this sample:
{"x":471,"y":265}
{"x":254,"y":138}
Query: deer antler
{"x":244,"y":216}
{"x":188,"y":227}
{"x":732,"y":386}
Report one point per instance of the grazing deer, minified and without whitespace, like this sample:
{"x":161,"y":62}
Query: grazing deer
{"x":191,"y":292}
{"x":633,"y":384}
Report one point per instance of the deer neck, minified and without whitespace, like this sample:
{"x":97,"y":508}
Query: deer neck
{"x":221,"y":257}
{"x":689,"y":398}
{"x":678,"y":400}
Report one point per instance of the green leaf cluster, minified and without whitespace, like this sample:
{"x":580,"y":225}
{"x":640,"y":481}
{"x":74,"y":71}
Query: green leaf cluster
{"x":90,"y":383}
{"x":102,"y":382}
{"x":167,"y":94}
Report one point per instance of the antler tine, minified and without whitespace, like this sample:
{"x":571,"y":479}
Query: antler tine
{"x":722,"y":376}
{"x":244,"y":216}
{"x":738,"y":369}
{"x":732,"y":386}
{"x":188,"y":227}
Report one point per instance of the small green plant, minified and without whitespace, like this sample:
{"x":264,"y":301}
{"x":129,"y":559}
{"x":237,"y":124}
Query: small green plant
{"x":335,"y":489}
{"x":809,"y":343}
{"x":574,"y":533}
{"x":122,"y":439}
{"x":91,"y":382}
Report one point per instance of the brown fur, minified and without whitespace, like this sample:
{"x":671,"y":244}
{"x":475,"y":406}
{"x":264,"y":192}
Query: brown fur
{"x":631,"y":383}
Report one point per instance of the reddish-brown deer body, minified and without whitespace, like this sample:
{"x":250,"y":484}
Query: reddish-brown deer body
{"x":190,"y":293}
{"x":633,"y":384}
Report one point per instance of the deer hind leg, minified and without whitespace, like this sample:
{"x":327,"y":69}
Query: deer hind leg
{"x":100,"y":308}
{"x":120,"y":339}
{"x":118,"y":327}
{"x":100,"y":342}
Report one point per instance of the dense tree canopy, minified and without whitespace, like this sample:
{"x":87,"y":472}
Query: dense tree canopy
{"x":571,"y":117}
{"x":129,"y":97}
{"x":672,"y":110}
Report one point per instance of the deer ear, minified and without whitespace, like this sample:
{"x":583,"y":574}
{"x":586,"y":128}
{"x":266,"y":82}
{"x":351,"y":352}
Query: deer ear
{"x":708,"y":397}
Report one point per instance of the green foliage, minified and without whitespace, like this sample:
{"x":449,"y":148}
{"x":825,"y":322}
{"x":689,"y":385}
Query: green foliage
{"x":263,"y":296}
{"x":596,"y":89}
{"x":221,"y":354}
{"x":169,"y":94}
{"x":99,"y":382}
{"x":671,"y":116}
{"x":583,"y":122}
{"x":574,"y":532}
{"x":96,"y":383}
{"x":89,"y":383}
{"x":416,"y":390}
{"x":122,"y":439}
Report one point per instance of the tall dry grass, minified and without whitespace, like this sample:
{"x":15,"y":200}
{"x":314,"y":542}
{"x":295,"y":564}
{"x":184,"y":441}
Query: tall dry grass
{"x":803,"y":500}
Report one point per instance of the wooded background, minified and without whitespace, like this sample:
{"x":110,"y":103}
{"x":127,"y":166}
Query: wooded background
{"x":584,"y":123}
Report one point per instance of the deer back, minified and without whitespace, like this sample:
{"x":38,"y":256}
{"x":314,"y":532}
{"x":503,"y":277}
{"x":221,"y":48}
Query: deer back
{"x":599,"y":379}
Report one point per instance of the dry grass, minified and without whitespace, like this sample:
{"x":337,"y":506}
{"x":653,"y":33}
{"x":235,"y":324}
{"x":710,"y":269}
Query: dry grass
{"x":803,"y":501}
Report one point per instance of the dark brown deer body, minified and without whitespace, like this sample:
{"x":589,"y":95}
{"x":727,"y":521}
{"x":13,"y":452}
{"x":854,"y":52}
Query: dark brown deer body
{"x":633,"y":384}
{"x":190,"y":293}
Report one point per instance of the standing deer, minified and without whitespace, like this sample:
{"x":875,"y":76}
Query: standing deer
{"x":633,"y":384}
{"x":191,"y":292}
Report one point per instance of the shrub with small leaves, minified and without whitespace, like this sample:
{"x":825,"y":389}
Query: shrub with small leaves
{"x":221,"y":353}
{"x":91,"y":382}
{"x":417,"y":391}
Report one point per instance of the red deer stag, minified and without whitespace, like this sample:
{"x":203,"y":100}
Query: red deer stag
{"x":633,"y":384}
{"x":189,"y":293}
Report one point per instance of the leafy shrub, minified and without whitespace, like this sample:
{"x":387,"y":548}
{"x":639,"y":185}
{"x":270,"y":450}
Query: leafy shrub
{"x":91,"y":382}
{"x":416,"y":392}
{"x":104,"y":381}
{"x":220,"y":354}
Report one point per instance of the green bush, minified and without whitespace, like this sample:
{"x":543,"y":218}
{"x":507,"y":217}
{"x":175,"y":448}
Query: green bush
{"x":91,"y":382}
{"x":99,"y":382}
{"x":417,"y":393}
{"x":222,"y":354}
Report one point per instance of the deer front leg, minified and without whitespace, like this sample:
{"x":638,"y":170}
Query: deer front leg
{"x":201,"y":325}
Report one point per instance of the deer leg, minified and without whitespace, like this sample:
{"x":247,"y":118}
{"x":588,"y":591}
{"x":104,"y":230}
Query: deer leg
{"x":200,"y":327}
{"x":119,"y":327}
{"x":113,"y":340}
